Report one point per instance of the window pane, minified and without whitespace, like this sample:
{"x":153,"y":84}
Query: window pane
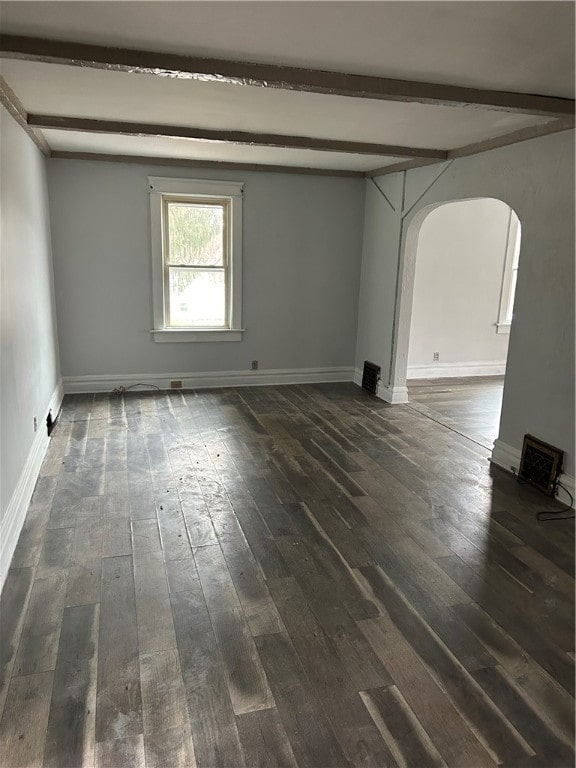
{"x":197,"y":298}
{"x":195,"y":234}
{"x":510,"y":307}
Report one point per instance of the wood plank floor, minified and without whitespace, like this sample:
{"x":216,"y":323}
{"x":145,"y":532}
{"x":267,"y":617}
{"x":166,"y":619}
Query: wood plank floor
{"x":471,"y":406}
{"x":282,"y":576}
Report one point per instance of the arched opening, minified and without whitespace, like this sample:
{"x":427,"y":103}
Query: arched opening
{"x":461,"y":261}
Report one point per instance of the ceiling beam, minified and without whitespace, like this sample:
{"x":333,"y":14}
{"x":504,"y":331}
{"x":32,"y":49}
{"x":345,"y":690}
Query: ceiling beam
{"x":187,"y":163}
{"x":229,"y":137}
{"x":14,"y":106}
{"x":405,"y":165}
{"x":274,"y":76}
{"x":524,"y":134}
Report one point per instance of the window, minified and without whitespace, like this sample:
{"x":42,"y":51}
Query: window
{"x":196,"y":259}
{"x":510,"y":275}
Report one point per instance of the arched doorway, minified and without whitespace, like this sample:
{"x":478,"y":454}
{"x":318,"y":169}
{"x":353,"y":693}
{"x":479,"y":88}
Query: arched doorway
{"x":458,"y":284}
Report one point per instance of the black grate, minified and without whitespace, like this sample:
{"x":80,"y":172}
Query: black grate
{"x":370,"y":377}
{"x":541,"y":464}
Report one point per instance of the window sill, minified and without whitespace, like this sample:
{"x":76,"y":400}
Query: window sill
{"x":502,"y":327}
{"x":208,"y":334}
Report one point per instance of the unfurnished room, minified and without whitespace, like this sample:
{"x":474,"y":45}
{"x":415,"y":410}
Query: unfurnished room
{"x":287,"y":384}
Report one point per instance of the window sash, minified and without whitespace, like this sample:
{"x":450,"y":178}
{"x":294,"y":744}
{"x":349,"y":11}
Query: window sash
{"x":167,"y":305}
{"x":509,"y":274}
{"x":225,"y":204}
{"x":189,"y":189}
{"x":511,"y":295}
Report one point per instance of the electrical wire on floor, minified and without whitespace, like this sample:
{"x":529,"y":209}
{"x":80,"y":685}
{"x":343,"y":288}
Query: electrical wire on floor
{"x":122,"y":390}
{"x":566,"y":513}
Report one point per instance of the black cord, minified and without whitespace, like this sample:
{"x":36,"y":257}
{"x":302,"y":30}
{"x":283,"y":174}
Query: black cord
{"x":122,"y":390}
{"x":566,"y":513}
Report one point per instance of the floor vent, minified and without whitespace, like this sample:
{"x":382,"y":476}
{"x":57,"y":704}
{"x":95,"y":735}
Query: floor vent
{"x":370,"y":377}
{"x":541,"y":464}
{"x":51,"y":422}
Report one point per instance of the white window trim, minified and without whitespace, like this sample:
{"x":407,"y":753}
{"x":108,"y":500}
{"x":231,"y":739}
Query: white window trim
{"x":159,"y":186}
{"x":513,"y":239}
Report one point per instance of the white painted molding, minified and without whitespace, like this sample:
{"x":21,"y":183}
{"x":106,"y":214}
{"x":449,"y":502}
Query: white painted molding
{"x":15,"y":514}
{"x":77,"y":384}
{"x":568,"y":482}
{"x":505,"y":456}
{"x":393,"y":395}
{"x":172,"y":335}
{"x":508,"y":458}
{"x":232,"y":191}
{"x":456,"y":370}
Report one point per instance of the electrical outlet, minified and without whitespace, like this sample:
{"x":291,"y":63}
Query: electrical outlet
{"x":35,"y":424}
{"x":436,"y":357}
{"x":176,"y":384}
{"x":254,"y":365}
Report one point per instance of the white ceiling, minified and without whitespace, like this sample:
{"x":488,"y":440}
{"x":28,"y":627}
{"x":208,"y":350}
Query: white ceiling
{"x":517,"y":46}
{"x":52,"y":89}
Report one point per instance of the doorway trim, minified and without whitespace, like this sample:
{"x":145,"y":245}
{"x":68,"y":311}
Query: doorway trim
{"x":409,"y":240}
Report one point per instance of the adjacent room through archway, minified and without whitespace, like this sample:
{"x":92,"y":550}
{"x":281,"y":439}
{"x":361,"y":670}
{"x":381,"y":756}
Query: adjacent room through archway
{"x":465,"y":279}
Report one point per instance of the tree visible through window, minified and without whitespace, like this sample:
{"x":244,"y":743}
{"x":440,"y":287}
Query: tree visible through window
{"x":196,"y":229}
{"x":196,"y":263}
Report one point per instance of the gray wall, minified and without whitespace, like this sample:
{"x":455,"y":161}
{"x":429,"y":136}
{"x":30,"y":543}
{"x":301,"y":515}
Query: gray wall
{"x":458,"y":282}
{"x":301,"y":255}
{"x":379,"y":262}
{"x":29,"y":372}
{"x":536,"y":178}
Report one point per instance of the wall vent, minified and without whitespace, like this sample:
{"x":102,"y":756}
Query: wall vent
{"x":370,"y":377}
{"x":541,"y":464}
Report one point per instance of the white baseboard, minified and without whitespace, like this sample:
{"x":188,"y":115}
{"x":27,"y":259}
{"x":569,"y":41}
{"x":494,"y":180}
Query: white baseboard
{"x":15,"y":514}
{"x":507,"y":457}
{"x":78,"y":384}
{"x":569,"y":483}
{"x":393,"y":395}
{"x":456,"y":370}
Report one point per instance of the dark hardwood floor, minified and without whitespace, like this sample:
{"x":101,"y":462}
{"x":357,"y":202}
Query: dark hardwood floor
{"x":282,"y":576}
{"x":471,"y":406}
